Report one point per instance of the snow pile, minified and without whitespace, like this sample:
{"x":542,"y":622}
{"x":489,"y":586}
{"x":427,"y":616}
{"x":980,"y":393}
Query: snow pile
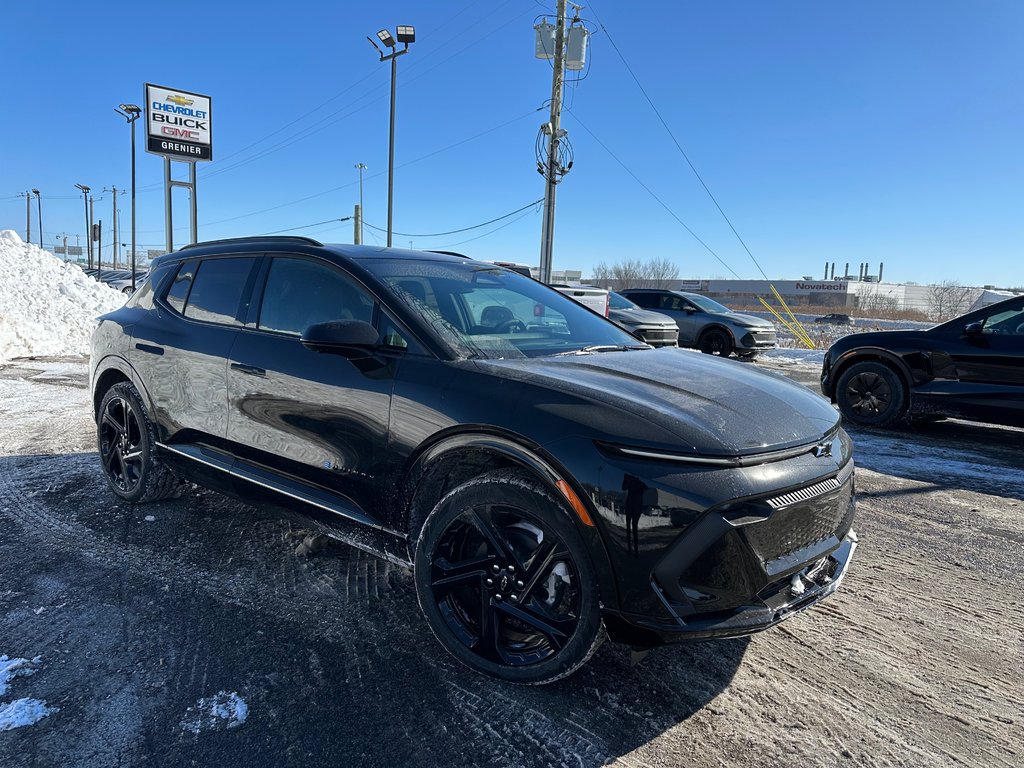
{"x":47,"y":307}
{"x":225,"y":710}
{"x":808,"y":357}
{"x":20,"y":712}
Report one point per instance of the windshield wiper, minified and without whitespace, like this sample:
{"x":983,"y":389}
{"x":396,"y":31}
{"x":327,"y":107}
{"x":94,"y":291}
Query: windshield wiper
{"x":602,"y":348}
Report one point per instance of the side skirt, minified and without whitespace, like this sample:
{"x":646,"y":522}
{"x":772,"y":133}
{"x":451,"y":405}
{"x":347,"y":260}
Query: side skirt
{"x":330,"y":513}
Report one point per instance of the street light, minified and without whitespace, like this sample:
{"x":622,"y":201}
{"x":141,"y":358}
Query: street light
{"x":406,"y":34}
{"x":131,"y":113}
{"x":39,"y":203}
{"x":88,"y":225}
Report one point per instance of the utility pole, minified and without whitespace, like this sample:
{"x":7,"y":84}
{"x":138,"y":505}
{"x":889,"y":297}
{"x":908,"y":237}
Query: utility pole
{"x":359,"y":219}
{"x":28,"y":215}
{"x":114,"y":230}
{"x":88,"y":223}
{"x":357,"y":225}
{"x":555,"y":135}
{"x":39,"y":202}
{"x":94,"y":237}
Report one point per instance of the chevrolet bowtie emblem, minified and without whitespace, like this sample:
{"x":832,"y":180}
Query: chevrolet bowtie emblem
{"x":181,"y":101}
{"x":823,"y":449}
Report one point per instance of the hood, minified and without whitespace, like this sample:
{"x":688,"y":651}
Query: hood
{"x":756,"y":322}
{"x":884,"y":339}
{"x":634,"y":317}
{"x":713,"y":407}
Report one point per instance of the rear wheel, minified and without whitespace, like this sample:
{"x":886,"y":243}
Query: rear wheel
{"x":126,"y":439}
{"x":716,"y":342}
{"x":871,"y":394}
{"x":505,"y":581}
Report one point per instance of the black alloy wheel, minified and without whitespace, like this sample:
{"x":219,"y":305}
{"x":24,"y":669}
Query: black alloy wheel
{"x":716,"y":342}
{"x":871,"y":394}
{"x":126,"y":439}
{"x":505,"y":581}
{"x":120,"y":443}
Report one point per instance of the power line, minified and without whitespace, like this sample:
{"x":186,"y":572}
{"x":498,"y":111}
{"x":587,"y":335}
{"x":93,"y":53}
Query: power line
{"x":488,"y":234}
{"x":676,"y":142}
{"x":661,"y":202}
{"x":353,"y":183}
{"x":464,"y":229}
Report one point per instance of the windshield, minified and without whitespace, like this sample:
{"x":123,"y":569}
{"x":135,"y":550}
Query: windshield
{"x":618,"y":301}
{"x":480,"y":310}
{"x":708,"y":305}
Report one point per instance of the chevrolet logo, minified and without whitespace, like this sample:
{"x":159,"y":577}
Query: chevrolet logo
{"x":181,"y":101}
{"x":823,"y":449}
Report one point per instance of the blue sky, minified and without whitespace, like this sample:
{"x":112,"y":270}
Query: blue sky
{"x":872,"y":131}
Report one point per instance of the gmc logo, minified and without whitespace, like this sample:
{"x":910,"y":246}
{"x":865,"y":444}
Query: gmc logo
{"x":178,"y":133}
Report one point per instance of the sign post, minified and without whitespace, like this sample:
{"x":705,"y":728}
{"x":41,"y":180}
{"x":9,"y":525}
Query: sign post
{"x":178,"y":127}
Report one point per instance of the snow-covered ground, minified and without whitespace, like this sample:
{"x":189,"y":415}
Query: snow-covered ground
{"x":47,"y":307}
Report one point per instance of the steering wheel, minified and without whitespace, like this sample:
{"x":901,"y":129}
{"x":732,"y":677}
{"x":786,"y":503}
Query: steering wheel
{"x":511,"y":325}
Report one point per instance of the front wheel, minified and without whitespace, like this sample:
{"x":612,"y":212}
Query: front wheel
{"x":871,"y":394}
{"x":126,"y":439}
{"x":506,"y":582}
{"x":716,"y":342}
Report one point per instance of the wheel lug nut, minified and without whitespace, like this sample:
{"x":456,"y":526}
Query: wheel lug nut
{"x":511,"y":569}
{"x":520,"y":584}
{"x":514,"y":598}
{"x":489,"y":582}
{"x":498,"y":597}
{"x":495,"y":568}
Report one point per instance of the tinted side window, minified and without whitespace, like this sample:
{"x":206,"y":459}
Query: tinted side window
{"x":217,"y":290}
{"x":668,"y":301}
{"x":178,"y":292}
{"x":643,"y":299}
{"x":300,"y":293}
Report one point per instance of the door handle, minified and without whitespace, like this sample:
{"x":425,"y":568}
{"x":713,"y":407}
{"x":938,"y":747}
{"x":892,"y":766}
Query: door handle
{"x":252,"y":370}
{"x":153,"y":350}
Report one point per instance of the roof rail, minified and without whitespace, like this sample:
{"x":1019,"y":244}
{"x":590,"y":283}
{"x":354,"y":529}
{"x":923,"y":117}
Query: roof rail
{"x":255,"y":238}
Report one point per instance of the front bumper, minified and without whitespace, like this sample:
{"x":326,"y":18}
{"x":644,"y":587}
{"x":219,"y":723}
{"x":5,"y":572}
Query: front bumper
{"x":657,"y":335}
{"x":757,"y":340}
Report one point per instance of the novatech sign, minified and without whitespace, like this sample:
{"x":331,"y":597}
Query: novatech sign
{"x":178,"y":124}
{"x":836,"y":286}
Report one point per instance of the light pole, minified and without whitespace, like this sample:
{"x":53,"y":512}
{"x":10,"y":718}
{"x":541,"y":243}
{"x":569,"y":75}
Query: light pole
{"x":88,"y":224}
{"x":131,"y":113}
{"x":361,"y":167}
{"x":39,"y":204}
{"x":406,"y":34}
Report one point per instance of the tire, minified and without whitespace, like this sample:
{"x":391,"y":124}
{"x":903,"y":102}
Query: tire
{"x":715,"y":342}
{"x":871,"y":394}
{"x":128,"y":290}
{"x":126,"y":439}
{"x":505,"y":581}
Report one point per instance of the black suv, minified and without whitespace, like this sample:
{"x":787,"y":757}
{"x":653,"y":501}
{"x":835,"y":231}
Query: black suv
{"x":547,"y":476}
{"x":971,"y":367}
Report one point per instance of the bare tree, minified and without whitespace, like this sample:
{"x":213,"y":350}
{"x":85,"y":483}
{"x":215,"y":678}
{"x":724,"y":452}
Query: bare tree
{"x":948,"y":299}
{"x":636,"y":273}
{"x":878,"y":304}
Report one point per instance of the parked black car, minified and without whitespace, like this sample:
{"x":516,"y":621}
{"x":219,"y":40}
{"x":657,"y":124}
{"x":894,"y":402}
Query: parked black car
{"x":547,"y":475}
{"x":835,"y":318}
{"x":971,"y":367}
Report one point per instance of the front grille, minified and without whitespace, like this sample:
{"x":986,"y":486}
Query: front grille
{"x":656,"y":335}
{"x":804,"y":518}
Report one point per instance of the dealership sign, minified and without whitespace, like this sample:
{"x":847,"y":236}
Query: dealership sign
{"x":178,"y":124}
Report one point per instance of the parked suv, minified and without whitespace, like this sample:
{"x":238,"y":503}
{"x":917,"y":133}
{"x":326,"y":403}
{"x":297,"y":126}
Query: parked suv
{"x":971,"y":367}
{"x":656,"y":329}
{"x":546,"y":475}
{"x":707,"y":325}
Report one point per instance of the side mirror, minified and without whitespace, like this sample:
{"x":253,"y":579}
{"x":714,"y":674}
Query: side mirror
{"x":341,"y":336}
{"x":973,"y":329}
